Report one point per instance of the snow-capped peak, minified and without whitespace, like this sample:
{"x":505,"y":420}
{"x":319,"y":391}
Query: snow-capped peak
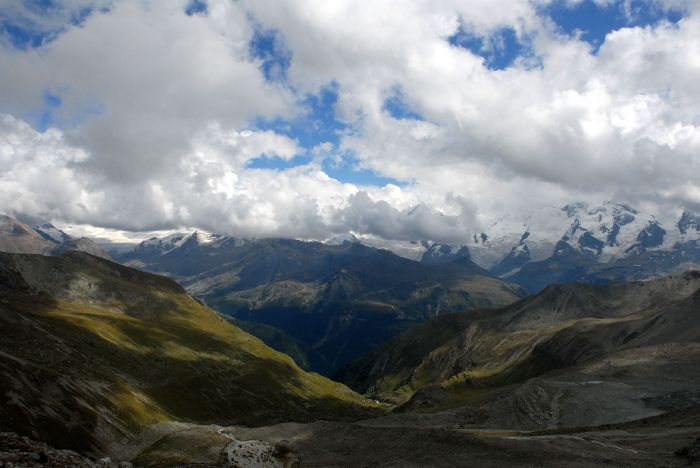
{"x":610,"y":230}
{"x":441,"y":253}
{"x":202,"y":237}
{"x":341,"y":239}
{"x":163,"y":243}
{"x":688,"y":222}
{"x":51,"y":233}
{"x":167,"y":244}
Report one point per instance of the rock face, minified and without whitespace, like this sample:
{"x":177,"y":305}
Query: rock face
{"x":516,"y":258}
{"x":51,"y":233}
{"x":572,"y":355}
{"x":93,"y":353}
{"x":688,"y":223}
{"x":325,"y":305}
{"x":17,"y":237}
{"x":440,"y":254}
{"x":17,"y":451}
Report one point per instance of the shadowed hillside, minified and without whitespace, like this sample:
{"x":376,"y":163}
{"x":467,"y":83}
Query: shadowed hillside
{"x":622,"y":337}
{"x":93,"y":352}
{"x":325,"y":305}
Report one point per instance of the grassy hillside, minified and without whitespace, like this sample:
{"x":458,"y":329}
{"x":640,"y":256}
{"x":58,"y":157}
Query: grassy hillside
{"x":329,"y":304}
{"x":463,"y":356}
{"x":92,"y":353}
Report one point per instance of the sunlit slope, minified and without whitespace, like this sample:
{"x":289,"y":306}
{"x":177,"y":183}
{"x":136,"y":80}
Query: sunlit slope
{"x":330,"y":304}
{"x":91,"y":352}
{"x":560,"y":328}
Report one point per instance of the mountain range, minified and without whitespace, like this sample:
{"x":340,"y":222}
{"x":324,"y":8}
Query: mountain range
{"x":18,"y":237}
{"x":611,"y":242}
{"x":327,"y":303}
{"x":323,"y":304}
{"x":108,"y":360}
{"x":573,"y":355}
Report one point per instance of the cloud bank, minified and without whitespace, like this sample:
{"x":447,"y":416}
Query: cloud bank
{"x":136,"y":115}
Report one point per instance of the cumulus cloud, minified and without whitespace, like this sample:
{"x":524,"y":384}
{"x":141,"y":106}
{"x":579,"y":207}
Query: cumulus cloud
{"x":623,"y":121}
{"x":138,"y":80}
{"x":365,"y":215}
{"x":155,"y":111}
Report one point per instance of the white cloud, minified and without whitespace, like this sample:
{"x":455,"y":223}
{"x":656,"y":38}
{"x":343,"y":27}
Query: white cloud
{"x":607,"y":124}
{"x":141,"y":78}
{"x":157,"y":111}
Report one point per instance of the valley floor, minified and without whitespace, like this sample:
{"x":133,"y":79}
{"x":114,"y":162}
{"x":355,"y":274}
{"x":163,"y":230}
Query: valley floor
{"x":330,"y":444}
{"x":410,"y":441}
{"x":325,"y":444}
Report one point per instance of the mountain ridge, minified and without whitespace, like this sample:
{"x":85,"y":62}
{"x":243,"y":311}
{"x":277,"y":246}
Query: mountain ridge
{"x":94,"y":352}
{"x":610,"y":242}
{"x":338,"y":300}
{"x":560,"y":327}
{"x":46,"y":239}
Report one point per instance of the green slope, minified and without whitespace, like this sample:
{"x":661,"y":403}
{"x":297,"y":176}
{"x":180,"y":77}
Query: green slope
{"x":329,"y":303}
{"x":92,"y":352}
{"x":562,"y":327}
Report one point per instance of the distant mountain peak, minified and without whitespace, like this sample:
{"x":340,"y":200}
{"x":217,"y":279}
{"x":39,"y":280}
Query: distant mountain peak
{"x":445,"y":253}
{"x":648,"y":238}
{"x":340,"y":239}
{"x":15,"y":236}
{"x":573,"y":209}
{"x":51,"y":233}
{"x":204,"y":237}
{"x":611,"y":230}
{"x":615,"y":207}
{"x":688,"y":222}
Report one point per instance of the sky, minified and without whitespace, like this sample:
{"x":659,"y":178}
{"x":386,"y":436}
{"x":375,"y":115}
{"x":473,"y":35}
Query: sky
{"x":403,"y":120}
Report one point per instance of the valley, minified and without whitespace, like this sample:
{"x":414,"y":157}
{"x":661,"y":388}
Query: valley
{"x":349,"y":234}
{"x":93,"y":353}
{"x":325,"y":305}
{"x":449,"y":366}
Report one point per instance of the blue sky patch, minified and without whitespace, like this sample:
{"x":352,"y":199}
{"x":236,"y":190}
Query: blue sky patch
{"x":196,"y":7}
{"x":317,"y":124}
{"x":23,"y":34}
{"x":347,"y":171}
{"x":398,"y":108}
{"x":499,"y":50}
{"x":22,"y":37}
{"x":277,"y":163}
{"x":267,"y":45}
{"x":595,"y":21}
{"x":45,"y":117}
